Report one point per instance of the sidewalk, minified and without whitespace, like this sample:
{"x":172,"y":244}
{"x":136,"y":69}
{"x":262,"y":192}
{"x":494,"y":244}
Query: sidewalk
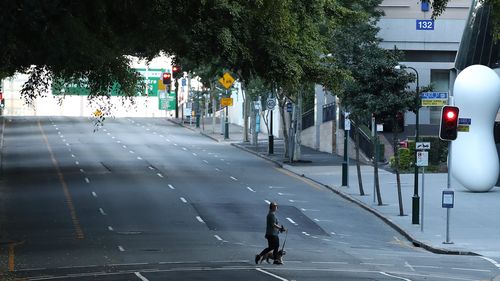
{"x":474,"y":221}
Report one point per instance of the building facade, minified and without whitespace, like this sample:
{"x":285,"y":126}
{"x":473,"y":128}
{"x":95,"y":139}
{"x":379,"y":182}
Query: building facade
{"x":429,"y":46}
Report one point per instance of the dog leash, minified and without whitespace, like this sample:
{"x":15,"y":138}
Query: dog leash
{"x":286,"y":235}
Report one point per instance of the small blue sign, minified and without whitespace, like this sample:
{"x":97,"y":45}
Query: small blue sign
{"x":448,"y":199}
{"x":289,"y":107}
{"x":464,"y":121}
{"x":425,"y":24}
{"x":434,"y":95}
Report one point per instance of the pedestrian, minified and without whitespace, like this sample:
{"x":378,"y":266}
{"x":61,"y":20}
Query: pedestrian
{"x":272,"y":231}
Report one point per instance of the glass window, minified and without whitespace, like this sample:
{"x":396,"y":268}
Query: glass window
{"x":440,"y":81}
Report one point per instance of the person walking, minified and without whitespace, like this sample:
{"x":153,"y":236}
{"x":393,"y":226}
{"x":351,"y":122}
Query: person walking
{"x":272,"y":231}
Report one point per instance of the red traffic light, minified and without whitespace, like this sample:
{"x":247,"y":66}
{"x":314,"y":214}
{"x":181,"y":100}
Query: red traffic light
{"x":167,"y":78}
{"x":449,"y":123}
{"x":175,"y":69}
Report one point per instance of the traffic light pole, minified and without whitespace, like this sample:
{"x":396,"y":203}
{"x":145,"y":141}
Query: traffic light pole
{"x":271,"y":137}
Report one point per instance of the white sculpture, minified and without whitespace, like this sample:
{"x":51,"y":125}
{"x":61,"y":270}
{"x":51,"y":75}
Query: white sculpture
{"x":474,"y":159}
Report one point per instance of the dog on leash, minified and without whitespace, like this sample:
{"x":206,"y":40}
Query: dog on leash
{"x":269,"y":256}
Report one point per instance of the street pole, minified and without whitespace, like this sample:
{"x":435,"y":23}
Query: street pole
{"x":416,"y":198}
{"x":226,"y":127}
{"x":271,"y":137}
{"x":345,"y":163}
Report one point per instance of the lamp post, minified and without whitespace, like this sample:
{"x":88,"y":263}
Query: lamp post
{"x":415,"y":198}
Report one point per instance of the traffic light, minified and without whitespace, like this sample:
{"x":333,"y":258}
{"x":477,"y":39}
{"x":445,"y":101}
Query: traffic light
{"x":176,"y":70}
{"x":449,"y":123}
{"x":167,"y":78}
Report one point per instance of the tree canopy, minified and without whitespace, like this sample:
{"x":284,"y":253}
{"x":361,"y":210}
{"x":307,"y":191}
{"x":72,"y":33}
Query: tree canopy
{"x":281,"y":41}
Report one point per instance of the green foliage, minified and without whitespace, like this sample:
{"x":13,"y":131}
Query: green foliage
{"x":405,"y":160}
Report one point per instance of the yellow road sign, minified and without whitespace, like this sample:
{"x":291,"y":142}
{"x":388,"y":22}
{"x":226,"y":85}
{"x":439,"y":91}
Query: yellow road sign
{"x":226,"y":102}
{"x":226,"y":80}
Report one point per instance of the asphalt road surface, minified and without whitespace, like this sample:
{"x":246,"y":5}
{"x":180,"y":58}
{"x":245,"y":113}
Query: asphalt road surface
{"x":144,"y":199}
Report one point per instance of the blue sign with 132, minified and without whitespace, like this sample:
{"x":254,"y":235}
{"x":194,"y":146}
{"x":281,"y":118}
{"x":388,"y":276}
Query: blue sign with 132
{"x":425,"y":24}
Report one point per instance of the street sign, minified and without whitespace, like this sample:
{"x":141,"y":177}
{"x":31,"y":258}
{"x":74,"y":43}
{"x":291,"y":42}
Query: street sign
{"x":289,"y":107}
{"x":434,"y":98}
{"x":422,"y":158}
{"x":423,"y":145}
{"x":448,"y":199}
{"x":226,"y":102}
{"x":226,"y":80}
{"x":425,"y":24}
{"x":271,"y":103}
{"x":464,"y":124}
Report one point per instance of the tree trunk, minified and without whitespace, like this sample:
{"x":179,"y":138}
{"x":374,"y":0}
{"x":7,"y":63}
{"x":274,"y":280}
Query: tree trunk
{"x":298,"y":129}
{"x":396,"y":159}
{"x":245,"y":112}
{"x":358,"y":166}
{"x":375,"y":168}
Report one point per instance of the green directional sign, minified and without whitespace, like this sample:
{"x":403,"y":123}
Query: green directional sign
{"x":166,"y":101}
{"x":150,"y":76}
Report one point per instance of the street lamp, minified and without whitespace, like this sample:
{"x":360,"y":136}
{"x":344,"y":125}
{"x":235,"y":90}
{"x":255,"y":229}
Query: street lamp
{"x":416,"y":198}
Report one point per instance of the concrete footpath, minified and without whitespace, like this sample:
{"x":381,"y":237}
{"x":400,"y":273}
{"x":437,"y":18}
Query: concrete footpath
{"x":474,"y":222}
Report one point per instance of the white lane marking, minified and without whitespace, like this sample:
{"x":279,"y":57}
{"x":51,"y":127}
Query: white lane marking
{"x":167,"y":140}
{"x":426,"y":266}
{"x":249,"y":188}
{"x":297,"y":201}
{"x":139,"y":158}
{"x":184,"y":200}
{"x":131,"y":152}
{"x":161,"y":136}
{"x":200,"y":219}
{"x":118,"y":141}
{"x":121,"y":249}
{"x":82,"y":171}
{"x":160,"y":175}
{"x":110,"y":228}
{"x":184,"y":148}
{"x":267,"y":202}
{"x":87,"y":180}
{"x":105,"y":130}
{"x":72,"y":155}
{"x":492,"y":261}
{"x":108,"y":134}
{"x":151,"y":168}
{"x":171,"y":186}
{"x":218,"y":237}
{"x":376,"y":264}
{"x":124,"y":146}
{"x":276,"y":187}
{"x":471,"y":269}
{"x":138,"y":274}
{"x":102,"y":211}
{"x":113,"y":137}
{"x":317,"y":220}
{"x":194,"y":154}
{"x":285,"y":194}
{"x":67,"y":144}
{"x":305,"y":233}
{"x":233,"y":178}
{"x":77,"y":163}
{"x":94,"y":194}
{"x":309,"y":210}
{"x":330,"y":262}
{"x":271,"y":274}
{"x":291,"y":221}
{"x":393,"y":276}
{"x":409,"y":266}
{"x":217,"y":169}
{"x":221,"y":159}
{"x":205,"y":161}
{"x":175,"y":144}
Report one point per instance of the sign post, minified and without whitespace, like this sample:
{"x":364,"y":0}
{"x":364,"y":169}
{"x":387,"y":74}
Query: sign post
{"x":227,"y":81}
{"x":423,"y":161}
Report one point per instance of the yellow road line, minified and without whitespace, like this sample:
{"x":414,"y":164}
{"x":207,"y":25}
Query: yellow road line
{"x":69,"y":201}
{"x":305,"y":180}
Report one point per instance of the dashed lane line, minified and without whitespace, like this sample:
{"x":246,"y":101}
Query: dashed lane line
{"x":69,"y":201}
{"x":249,"y":188}
{"x":200,"y":219}
{"x":183,"y":200}
{"x":138,"y":274}
{"x":171,"y":186}
{"x":271,"y":274}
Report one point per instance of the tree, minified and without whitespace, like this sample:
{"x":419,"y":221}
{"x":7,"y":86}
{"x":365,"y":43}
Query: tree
{"x":375,"y":87}
{"x":439,"y":6}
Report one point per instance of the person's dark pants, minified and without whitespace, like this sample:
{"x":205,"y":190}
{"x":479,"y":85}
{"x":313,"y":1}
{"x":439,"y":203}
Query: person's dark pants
{"x":273,"y":244}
